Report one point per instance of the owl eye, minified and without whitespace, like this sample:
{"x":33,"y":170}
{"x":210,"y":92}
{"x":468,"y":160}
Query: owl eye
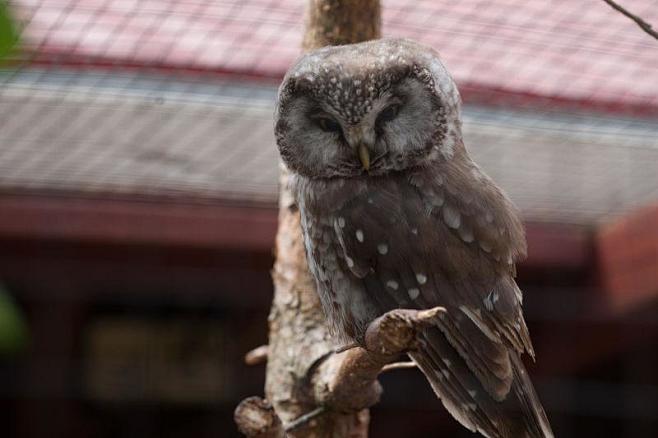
{"x":388,"y":114}
{"x":328,"y":125}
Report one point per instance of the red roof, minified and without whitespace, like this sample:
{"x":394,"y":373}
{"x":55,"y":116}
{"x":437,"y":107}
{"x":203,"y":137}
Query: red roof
{"x":564,"y":49}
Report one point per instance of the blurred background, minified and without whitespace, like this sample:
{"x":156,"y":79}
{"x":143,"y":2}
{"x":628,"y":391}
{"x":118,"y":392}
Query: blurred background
{"x":138,"y":186}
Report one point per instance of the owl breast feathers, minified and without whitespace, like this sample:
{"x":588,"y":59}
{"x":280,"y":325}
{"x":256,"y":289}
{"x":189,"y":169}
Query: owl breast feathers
{"x":395,"y":214}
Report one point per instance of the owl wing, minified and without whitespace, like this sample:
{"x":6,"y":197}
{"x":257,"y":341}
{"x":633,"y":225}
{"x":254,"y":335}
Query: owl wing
{"x":412,"y":242}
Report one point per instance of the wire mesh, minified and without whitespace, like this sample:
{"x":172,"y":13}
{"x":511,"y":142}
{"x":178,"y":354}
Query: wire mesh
{"x":153,"y":99}
{"x":174,"y":98}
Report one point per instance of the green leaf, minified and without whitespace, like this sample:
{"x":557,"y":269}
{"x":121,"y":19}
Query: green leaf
{"x":8,"y":33}
{"x":13,"y":330}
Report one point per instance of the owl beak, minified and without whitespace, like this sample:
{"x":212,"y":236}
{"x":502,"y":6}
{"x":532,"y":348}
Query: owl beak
{"x":364,"y":156}
{"x":361,"y":140}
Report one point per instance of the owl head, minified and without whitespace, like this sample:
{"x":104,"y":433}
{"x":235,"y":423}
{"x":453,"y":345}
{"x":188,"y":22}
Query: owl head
{"x":367,"y":109}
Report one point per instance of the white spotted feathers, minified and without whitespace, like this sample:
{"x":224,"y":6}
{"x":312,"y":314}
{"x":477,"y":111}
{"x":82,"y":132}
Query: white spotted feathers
{"x":419,"y":226}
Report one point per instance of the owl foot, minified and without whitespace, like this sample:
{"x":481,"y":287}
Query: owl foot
{"x":345,"y":347}
{"x":398,"y":366}
{"x":304,"y":419}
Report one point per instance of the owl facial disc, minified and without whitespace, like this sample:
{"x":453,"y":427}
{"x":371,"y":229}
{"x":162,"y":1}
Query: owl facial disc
{"x":367,"y":110}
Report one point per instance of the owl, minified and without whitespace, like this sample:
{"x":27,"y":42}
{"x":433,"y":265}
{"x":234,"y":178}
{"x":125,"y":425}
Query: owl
{"x":395,"y":214}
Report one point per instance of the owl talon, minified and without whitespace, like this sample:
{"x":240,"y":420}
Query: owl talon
{"x":345,"y":347}
{"x":305,"y":419}
{"x":398,"y":366}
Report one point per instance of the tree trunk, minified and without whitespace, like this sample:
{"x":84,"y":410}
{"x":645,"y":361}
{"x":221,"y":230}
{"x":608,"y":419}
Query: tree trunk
{"x":298,"y":337}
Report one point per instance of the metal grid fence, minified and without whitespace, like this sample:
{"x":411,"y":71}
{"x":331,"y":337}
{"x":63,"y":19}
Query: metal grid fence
{"x":174,"y":98}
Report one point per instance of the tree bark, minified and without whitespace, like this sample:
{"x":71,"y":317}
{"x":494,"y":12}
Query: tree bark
{"x":299,"y":337}
{"x":299,"y":340}
{"x":336,"y":22}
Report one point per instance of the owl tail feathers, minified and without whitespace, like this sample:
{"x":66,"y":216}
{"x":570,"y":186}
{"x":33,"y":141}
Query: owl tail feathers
{"x":519,"y":415}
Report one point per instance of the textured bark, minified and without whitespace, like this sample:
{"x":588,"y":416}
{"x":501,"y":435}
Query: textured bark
{"x":298,"y":332}
{"x":301,"y":368}
{"x":336,"y":22}
{"x":299,"y":339}
{"x":255,"y":417}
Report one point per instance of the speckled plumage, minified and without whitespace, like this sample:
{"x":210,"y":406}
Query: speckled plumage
{"x":419,"y":225}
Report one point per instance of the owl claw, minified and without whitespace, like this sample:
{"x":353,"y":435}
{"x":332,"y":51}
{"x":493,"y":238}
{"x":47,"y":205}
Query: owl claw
{"x":345,"y":347}
{"x":304,"y":419}
{"x":398,"y":366}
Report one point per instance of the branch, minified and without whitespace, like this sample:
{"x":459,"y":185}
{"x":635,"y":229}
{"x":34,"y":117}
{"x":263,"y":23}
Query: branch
{"x":346,"y":381}
{"x":256,"y":418}
{"x":640,"y":22}
{"x":257,"y":356}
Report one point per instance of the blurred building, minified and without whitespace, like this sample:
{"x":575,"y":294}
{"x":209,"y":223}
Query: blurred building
{"x":138,"y":183}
